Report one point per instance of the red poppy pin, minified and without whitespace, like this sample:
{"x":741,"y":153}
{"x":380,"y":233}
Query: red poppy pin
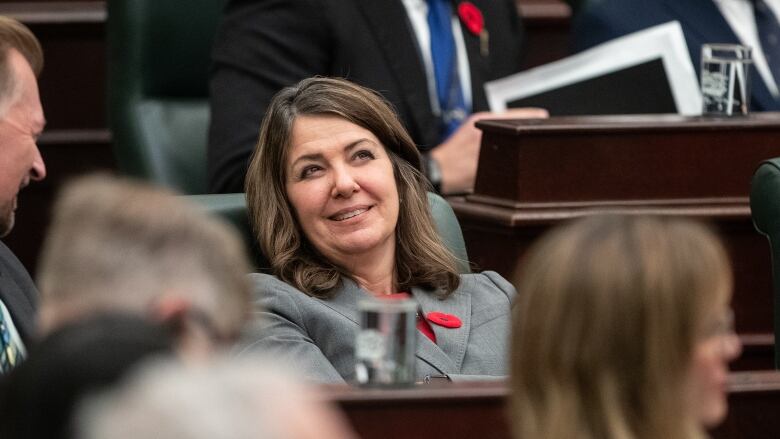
{"x":445,"y":320}
{"x":472,"y":17}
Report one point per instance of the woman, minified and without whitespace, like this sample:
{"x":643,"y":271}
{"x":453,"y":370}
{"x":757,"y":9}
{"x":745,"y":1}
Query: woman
{"x":339,"y":206}
{"x":624,"y":331}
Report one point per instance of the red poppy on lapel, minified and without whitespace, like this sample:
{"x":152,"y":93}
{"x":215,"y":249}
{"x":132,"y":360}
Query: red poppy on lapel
{"x":471,"y":17}
{"x":445,"y":320}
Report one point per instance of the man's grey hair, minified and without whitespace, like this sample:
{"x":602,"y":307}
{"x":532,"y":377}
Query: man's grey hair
{"x":15,"y":35}
{"x":116,"y":244}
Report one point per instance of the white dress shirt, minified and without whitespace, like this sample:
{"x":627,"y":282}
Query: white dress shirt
{"x":739,"y":15}
{"x":417,"y":10}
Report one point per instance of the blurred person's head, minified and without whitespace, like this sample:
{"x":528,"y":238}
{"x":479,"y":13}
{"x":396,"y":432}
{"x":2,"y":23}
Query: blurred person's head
{"x":237,"y":399}
{"x":623,"y":330}
{"x":334,"y":183}
{"x":21,"y":116}
{"x":38,"y":398}
{"x":116,"y":244}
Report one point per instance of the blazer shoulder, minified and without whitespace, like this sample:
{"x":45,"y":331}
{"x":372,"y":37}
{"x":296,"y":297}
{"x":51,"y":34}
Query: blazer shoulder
{"x":271,"y":292}
{"x":488,"y":284}
{"x":275,"y":295}
{"x":270,"y":283}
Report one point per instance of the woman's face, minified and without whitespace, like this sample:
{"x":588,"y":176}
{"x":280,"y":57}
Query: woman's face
{"x":716,"y":347}
{"x":340,"y":183}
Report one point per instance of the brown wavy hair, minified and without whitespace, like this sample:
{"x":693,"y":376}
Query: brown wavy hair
{"x":422,"y":259}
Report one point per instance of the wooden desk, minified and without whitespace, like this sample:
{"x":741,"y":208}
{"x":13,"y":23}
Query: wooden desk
{"x":456,"y":411}
{"x":754,"y":401}
{"x":535,"y":174}
{"x":478,"y":410}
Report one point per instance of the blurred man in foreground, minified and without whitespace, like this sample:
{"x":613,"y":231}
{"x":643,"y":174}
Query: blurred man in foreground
{"x":122,"y":246}
{"x":225,"y":399}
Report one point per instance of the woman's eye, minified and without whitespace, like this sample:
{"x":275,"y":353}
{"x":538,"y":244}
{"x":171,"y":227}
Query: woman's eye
{"x":308,"y":171}
{"x":364,"y":155}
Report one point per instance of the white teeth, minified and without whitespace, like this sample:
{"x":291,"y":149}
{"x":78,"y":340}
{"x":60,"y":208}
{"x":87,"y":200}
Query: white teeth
{"x":349,"y":215}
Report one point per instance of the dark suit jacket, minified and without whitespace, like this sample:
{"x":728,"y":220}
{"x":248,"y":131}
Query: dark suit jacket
{"x":265,"y":45}
{"x":18,"y":293}
{"x":602,"y":20}
{"x":317,"y":337}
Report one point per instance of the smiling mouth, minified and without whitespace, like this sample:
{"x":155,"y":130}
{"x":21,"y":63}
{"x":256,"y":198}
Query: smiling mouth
{"x":350,"y":214}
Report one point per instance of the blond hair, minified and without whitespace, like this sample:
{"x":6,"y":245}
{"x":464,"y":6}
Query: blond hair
{"x":422,"y":259}
{"x":117,"y":244}
{"x":15,"y":35}
{"x":610,"y":309}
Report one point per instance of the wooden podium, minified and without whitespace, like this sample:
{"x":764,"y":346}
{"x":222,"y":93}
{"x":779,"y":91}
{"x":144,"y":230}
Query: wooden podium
{"x":468,"y":410}
{"x":534,"y":174}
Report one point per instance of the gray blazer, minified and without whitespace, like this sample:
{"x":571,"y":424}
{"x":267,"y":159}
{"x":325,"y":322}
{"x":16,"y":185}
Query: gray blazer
{"x":316,"y":336}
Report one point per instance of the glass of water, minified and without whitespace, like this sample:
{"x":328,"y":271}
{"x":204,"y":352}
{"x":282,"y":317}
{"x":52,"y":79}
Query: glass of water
{"x":725,"y":79}
{"x":386,"y":343}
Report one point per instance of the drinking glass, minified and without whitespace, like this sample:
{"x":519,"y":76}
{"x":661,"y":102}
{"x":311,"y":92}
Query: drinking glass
{"x":386,"y":343}
{"x":725,"y":79}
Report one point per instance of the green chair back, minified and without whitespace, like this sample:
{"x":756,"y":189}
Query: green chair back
{"x":159,"y":57}
{"x":232,"y":207}
{"x":765,"y":210}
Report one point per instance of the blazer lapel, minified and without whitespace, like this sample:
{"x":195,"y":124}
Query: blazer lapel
{"x":346,"y":301}
{"x":446,"y":355}
{"x":402,"y":53}
{"x":450,"y":347}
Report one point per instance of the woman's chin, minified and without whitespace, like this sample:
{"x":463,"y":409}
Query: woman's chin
{"x":713,"y":413}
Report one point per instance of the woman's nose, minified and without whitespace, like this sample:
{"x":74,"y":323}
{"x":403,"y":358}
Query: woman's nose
{"x":344,"y":183}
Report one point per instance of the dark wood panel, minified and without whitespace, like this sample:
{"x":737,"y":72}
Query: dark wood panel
{"x":496,"y":246}
{"x":665,"y":159}
{"x":534,"y":175}
{"x":472,"y":411}
{"x":547,"y":26}
{"x":73,"y":81}
{"x":469,"y":410}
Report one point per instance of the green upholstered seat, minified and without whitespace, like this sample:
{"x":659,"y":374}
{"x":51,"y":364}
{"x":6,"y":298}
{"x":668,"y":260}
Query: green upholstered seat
{"x":232,"y":207}
{"x":159,"y":57}
{"x":449,"y":229}
{"x":765,"y":210}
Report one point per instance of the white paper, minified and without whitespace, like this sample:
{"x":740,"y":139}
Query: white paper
{"x":665,"y":41}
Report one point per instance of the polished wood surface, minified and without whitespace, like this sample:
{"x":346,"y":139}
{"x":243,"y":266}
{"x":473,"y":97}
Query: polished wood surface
{"x":459,"y":411}
{"x":469,"y":410}
{"x":534,"y":175}
{"x":615,"y":160}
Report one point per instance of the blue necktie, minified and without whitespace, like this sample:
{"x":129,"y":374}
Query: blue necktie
{"x":445,"y":67}
{"x":769,"y":35}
